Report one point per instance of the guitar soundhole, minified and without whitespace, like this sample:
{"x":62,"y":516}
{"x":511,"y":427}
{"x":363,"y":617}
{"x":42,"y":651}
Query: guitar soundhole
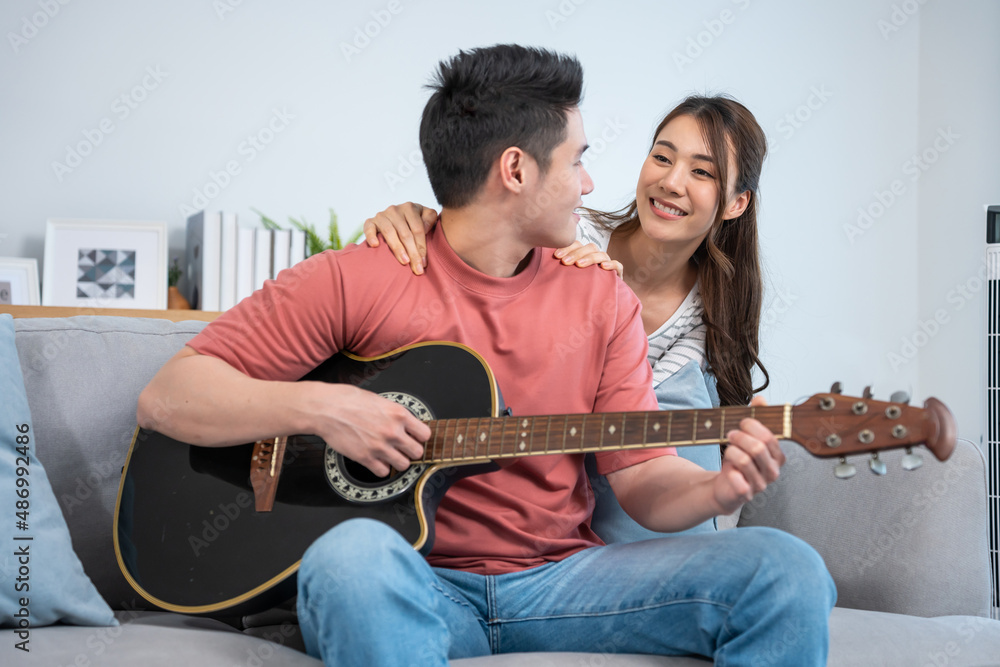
{"x":356,"y":483}
{"x":358,"y":474}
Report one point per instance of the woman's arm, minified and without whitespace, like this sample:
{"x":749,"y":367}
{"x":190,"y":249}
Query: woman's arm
{"x":405,"y":226}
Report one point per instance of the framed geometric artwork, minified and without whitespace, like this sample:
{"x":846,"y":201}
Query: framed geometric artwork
{"x":105,"y":264}
{"x":19,"y":281}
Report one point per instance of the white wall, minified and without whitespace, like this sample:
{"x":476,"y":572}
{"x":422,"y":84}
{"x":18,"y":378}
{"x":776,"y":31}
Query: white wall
{"x":960,"y":96}
{"x":847,"y":92}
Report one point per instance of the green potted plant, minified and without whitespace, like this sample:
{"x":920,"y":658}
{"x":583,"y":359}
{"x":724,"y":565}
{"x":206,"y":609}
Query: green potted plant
{"x":314,"y":242}
{"x":175,"y":300}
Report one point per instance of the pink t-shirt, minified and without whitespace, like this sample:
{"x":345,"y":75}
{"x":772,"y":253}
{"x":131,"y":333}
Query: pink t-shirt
{"x":558,"y":339}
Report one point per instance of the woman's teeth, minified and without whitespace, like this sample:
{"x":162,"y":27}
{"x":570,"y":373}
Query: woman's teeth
{"x":667,"y":209}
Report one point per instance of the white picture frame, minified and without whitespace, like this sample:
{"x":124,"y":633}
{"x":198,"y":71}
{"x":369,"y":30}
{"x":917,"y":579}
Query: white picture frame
{"x":105,"y":264}
{"x":19,"y":281}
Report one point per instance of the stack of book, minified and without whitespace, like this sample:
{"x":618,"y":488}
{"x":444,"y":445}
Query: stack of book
{"x":226,"y":262}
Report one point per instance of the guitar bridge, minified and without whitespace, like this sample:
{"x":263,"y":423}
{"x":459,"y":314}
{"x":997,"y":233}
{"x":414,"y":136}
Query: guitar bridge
{"x":265,"y":470}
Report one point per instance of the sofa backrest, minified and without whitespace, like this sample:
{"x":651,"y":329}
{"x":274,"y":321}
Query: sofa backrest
{"x":83,"y":376}
{"x":911,"y":542}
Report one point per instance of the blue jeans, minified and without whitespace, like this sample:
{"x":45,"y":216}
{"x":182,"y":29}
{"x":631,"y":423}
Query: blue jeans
{"x":750,"y":596}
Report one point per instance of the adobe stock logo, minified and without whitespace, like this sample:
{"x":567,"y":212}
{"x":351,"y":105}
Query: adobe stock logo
{"x":914,"y":167}
{"x":704,"y":39}
{"x":37,"y":21}
{"x":899,"y":17}
{"x":363,"y":35}
{"x":962,"y":294}
{"x":795,"y":120}
{"x":408,"y":165}
{"x":249,"y":149}
{"x":122,"y":107}
{"x":223,"y":7}
{"x":565,"y":9}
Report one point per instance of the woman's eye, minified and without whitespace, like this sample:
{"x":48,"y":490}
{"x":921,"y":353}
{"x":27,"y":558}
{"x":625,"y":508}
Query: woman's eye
{"x":702,"y":172}
{"x":661,"y":158}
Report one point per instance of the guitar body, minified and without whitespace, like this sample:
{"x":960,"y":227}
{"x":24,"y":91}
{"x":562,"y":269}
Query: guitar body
{"x":187,"y":535}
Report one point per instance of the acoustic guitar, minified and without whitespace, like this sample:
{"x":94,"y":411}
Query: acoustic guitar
{"x":213,"y":529}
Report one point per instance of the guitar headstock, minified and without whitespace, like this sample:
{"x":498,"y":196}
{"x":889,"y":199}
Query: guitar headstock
{"x":833,"y":426}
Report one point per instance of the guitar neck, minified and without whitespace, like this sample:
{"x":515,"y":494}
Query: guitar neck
{"x":473,"y":439}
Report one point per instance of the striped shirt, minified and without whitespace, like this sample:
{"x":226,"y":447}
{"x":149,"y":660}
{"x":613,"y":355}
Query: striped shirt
{"x":679,"y":340}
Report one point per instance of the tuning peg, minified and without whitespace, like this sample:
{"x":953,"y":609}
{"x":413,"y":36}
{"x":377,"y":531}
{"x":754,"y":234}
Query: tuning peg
{"x":877,"y":465}
{"x":912,"y":461}
{"x":900,"y":397}
{"x":867,"y":394}
{"x":844,"y":470}
{"x":836,"y":388}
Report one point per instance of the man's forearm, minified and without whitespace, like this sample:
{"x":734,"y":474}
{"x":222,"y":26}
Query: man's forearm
{"x":202,"y":400}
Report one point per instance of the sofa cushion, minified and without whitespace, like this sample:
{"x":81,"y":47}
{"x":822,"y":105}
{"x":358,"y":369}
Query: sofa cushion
{"x":83,"y":376}
{"x":912,"y":542}
{"x":896,"y":640}
{"x":856,"y":638}
{"x":41,"y":579}
{"x":153,"y":639}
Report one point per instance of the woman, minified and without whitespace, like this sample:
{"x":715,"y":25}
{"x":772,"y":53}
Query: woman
{"x":687,"y":246}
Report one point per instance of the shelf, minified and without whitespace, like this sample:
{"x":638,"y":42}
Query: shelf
{"x":60,"y":311}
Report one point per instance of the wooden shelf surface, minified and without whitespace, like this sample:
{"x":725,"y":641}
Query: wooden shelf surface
{"x":60,"y":311}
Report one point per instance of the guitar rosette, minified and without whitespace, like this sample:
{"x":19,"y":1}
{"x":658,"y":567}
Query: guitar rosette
{"x":356,"y":484}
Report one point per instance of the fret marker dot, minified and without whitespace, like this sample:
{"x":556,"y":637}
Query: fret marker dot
{"x":611,"y":429}
{"x":656,"y":426}
{"x":522,"y":445}
{"x":572,"y":431}
{"x":524,"y":424}
{"x":708,"y":423}
{"x":482,"y":437}
{"x":459,"y":439}
{"x":524,"y":434}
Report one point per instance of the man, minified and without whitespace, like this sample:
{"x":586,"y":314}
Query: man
{"x":515,"y":566}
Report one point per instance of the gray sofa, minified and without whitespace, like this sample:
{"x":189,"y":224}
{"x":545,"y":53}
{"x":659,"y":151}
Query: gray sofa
{"x":908,"y":551}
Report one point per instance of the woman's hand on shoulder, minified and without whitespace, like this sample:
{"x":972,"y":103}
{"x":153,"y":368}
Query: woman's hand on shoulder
{"x":585,"y":255}
{"x":404,"y":228}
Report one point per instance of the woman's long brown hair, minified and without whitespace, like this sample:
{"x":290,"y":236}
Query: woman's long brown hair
{"x":729,"y":274}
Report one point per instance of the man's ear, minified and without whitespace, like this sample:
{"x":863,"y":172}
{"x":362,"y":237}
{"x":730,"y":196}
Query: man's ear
{"x":737,"y":205}
{"x":515,"y":166}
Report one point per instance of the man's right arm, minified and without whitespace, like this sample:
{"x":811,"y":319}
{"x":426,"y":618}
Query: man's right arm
{"x":202,"y":400}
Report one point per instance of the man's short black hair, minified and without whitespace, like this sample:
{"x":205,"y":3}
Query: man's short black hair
{"x":487,"y":100}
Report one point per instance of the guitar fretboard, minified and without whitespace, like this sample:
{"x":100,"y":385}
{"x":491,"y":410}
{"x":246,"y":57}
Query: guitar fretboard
{"x":472,"y":439}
